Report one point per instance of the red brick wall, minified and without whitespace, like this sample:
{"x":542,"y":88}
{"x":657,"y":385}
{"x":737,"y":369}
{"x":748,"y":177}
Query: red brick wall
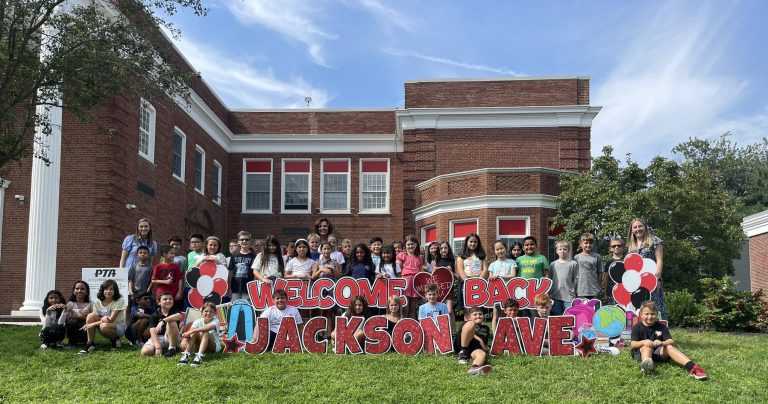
{"x":758,"y":266}
{"x":502,"y":93}
{"x":312,"y":122}
{"x":488,"y":183}
{"x":13,"y":259}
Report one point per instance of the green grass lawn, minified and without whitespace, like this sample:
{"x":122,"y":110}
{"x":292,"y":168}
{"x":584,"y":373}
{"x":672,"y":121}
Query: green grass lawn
{"x":736,"y":364}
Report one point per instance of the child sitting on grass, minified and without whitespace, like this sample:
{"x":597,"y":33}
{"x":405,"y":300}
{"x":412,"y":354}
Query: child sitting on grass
{"x":163,"y":328}
{"x":204,"y":335}
{"x":108,"y":317}
{"x":472,"y":341}
{"x":652,"y":342}
{"x":51,"y":317}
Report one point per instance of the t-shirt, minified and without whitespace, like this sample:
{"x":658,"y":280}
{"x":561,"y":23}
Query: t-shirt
{"x":563,"y":277}
{"x":338,"y":257}
{"x":141,"y":275}
{"x":275,"y":316}
{"x":389,"y":270}
{"x":131,"y":243}
{"x":531,"y":266}
{"x":502,"y":268}
{"x":170,"y":271}
{"x":359,"y":271}
{"x":272,"y":268}
{"x":136,"y":310}
{"x":182,"y":261}
{"x":200,"y":323}
{"x":588,"y":281}
{"x":297,"y":267}
{"x":80,"y":311}
{"x":641,"y":332}
{"x":410,"y":264}
{"x":240,"y":267}
{"x":158,"y":315}
{"x":322,"y":263}
{"x":472,"y":266}
{"x":432,"y":310}
{"x":116,"y":305}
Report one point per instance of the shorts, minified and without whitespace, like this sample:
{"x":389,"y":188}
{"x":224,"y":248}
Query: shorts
{"x":656,"y":355}
{"x":163,"y":343}
{"x":119,"y":330}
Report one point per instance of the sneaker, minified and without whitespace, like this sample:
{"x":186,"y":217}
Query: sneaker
{"x":171,"y":352}
{"x":43,"y":346}
{"x":88,"y":349}
{"x":647,"y":365}
{"x":485,"y":369}
{"x":474,"y":370}
{"x":69,"y":345}
{"x":698,"y":373}
{"x":116,"y":343}
{"x":197,"y":361}
{"x":59,"y":345}
{"x":463,"y":357}
{"x":184,"y":359}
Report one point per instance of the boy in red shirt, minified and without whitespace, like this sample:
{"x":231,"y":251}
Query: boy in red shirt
{"x":167,"y":276}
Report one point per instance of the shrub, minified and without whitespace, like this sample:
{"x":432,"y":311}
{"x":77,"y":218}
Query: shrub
{"x":728,"y":309}
{"x":682,"y":308}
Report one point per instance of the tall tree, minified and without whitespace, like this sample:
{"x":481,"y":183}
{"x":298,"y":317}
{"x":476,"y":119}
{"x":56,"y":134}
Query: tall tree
{"x":80,"y":53}
{"x":685,"y":204}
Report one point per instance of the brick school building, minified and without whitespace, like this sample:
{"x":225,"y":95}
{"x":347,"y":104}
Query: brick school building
{"x":465,"y":155}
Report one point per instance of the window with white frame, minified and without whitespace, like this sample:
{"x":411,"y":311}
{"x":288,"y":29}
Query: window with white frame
{"x":512,"y":229}
{"x":459,"y":230}
{"x":216,"y":182}
{"x":199,"y":169}
{"x":428,"y":234}
{"x":374,"y":185}
{"x":334,"y":186}
{"x":147,"y":117}
{"x":257,"y":186}
{"x":179,"y":153}
{"x":297,"y":186}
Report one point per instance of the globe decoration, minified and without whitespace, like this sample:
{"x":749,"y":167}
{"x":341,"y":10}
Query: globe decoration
{"x":609,"y":321}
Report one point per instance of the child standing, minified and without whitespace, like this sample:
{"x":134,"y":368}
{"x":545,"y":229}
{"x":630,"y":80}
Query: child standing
{"x":300,"y":267}
{"x":472,"y":342}
{"x":53,"y":323}
{"x":346,"y":248}
{"x":376,"y":244}
{"x":163,"y":328}
{"x":212,"y":252}
{"x":314,"y":241}
{"x":652,"y":342}
{"x":240,"y":262}
{"x":411,"y":263}
{"x":387,"y":267}
{"x":447,"y":260}
{"x":167,"y":276}
{"x":432,"y":308}
{"x":197,"y":250}
{"x":290,"y":250}
{"x":502,"y":268}
{"x":108,"y":317}
{"x":617,"y":248}
{"x":432,"y":253}
{"x":590,"y":268}
{"x":470,"y":263}
{"x":139,"y":275}
{"x":180,"y":257}
{"x":131,"y":243}
{"x":532,"y":265}
{"x":543,"y":305}
{"x":326,"y":267}
{"x":78,"y":308}
{"x":268,"y":265}
{"x":204,"y":335}
{"x":335,"y":253}
{"x":564,"y":274}
{"x":360,"y":264}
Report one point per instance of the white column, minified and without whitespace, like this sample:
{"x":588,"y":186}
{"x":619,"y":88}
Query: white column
{"x":3,"y":185}
{"x":43,"y":215}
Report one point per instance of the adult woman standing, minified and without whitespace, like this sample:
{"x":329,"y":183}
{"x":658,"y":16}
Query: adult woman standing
{"x":323,"y":227}
{"x":131,"y":243}
{"x":641,"y":241}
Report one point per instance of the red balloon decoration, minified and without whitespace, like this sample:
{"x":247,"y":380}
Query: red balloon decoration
{"x":621,"y":295}
{"x":633,"y":262}
{"x":220,"y":286}
{"x":208,"y":268}
{"x":648,"y":281}
{"x":195,"y":299}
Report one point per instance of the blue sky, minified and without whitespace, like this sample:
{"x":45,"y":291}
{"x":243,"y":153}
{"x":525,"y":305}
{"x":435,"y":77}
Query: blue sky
{"x":662,"y":71}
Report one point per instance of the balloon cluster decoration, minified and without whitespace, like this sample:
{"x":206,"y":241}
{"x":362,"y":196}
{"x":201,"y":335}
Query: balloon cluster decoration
{"x":208,"y":282}
{"x":635,"y":279}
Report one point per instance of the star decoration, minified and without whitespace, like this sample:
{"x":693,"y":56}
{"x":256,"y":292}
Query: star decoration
{"x":586,"y":346}
{"x":233,"y":345}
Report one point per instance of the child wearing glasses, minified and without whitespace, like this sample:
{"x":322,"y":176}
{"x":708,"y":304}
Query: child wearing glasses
{"x":617,"y":249}
{"x":240,"y":267}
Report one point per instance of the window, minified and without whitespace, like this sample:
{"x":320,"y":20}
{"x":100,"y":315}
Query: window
{"x":459,"y":230}
{"x":428,"y":234}
{"x":552,"y":238}
{"x":199,"y":169}
{"x":257,"y":186}
{"x":179,"y":153}
{"x":216,"y":182}
{"x":334,"y":186}
{"x":147,"y":131}
{"x":297,"y":186}
{"x":512,"y":229}
{"x":374,"y":186}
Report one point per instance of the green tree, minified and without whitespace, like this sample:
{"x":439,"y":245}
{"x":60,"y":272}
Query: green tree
{"x":87,"y":51}
{"x":685,"y":204}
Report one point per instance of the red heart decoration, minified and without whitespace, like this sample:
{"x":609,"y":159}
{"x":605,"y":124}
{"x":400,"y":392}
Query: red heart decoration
{"x":441,"y":276}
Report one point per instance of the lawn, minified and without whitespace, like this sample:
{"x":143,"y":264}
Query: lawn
{"x":736,"y":364}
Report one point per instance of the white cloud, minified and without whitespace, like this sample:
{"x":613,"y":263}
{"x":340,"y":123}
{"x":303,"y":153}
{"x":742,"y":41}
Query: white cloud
{"x":240,"y":85}
{"x":665,"y":87}
{"x":294,"y":19}
{"x":450,"y":62}
{"x":385,"y":14}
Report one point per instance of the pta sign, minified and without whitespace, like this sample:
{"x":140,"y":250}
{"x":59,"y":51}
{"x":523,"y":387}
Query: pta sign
{"x":94,"y":277}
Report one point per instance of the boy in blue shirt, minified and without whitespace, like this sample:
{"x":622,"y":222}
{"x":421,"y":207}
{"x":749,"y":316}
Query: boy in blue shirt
{"x":432,"y":308}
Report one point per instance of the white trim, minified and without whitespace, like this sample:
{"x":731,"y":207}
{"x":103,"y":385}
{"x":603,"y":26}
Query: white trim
{"x":755,"y":225}
{"x":527,"y":170}
{"x":309,"y":188}
{"x":150,"y":154}
{"x":527,"y":226}
{"x":314,"y":143}
{"x":452,"y":239}
{"x":496,"y":117}
{"x":217,"y":178}
{"x":177,"y":130}
{"x":3,"y":185}
{"x":384,"y":210}
{"x":485,"y":202}
{"x":349,"y":186}
{"x":245,"y":187}
{"x":423,"y":234}
{"x":516,"y":78}
{"x":200,"y":190}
